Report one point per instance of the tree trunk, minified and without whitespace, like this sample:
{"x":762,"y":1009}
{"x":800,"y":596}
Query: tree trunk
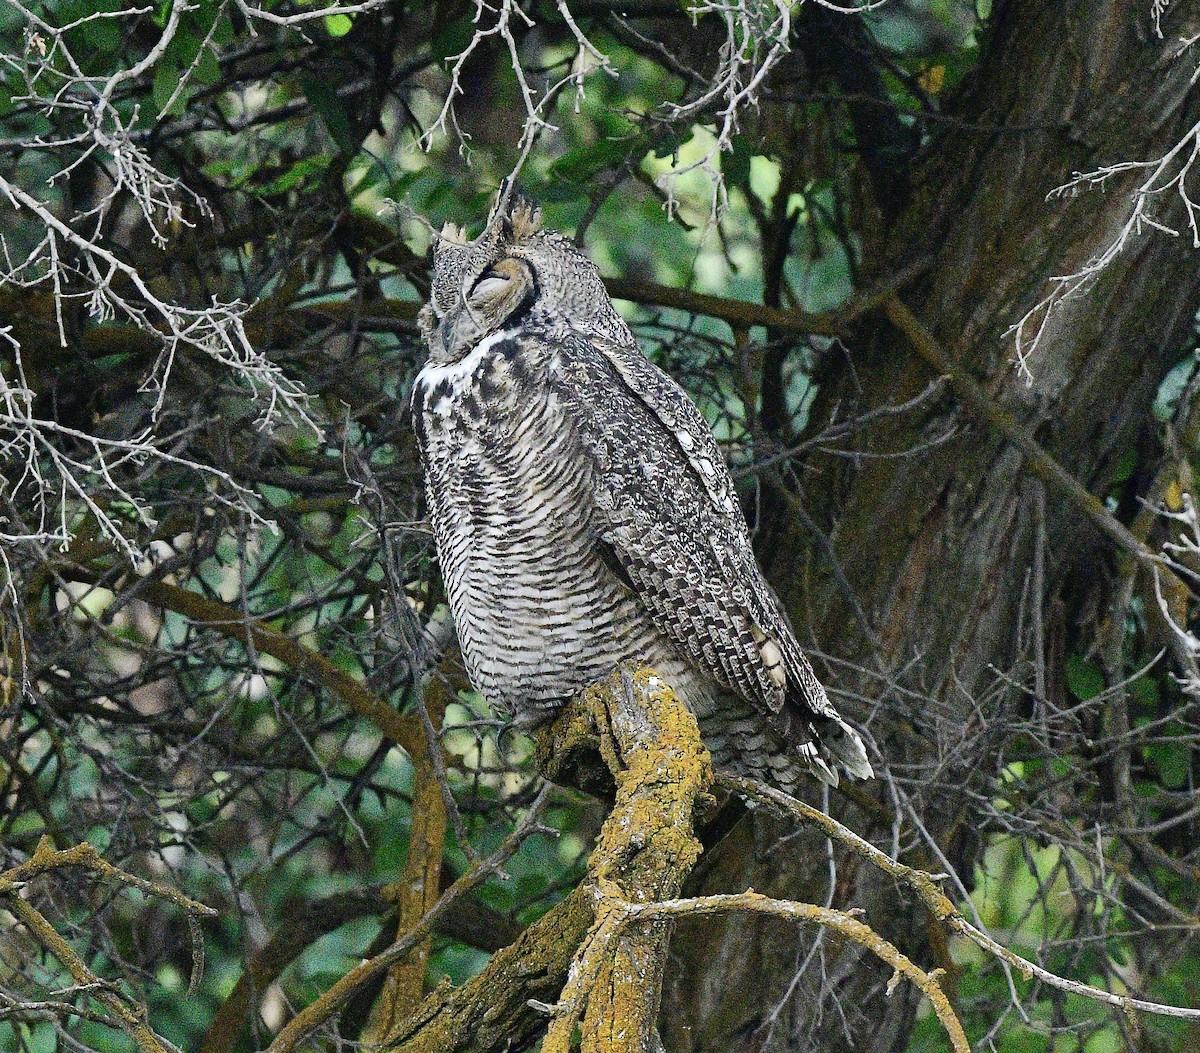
{"x":938,"y":548}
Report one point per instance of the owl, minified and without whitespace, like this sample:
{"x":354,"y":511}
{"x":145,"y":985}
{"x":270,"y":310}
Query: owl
{"x":584,"y":515}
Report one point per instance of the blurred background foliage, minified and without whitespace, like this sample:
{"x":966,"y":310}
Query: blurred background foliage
{"x":294,"y":150}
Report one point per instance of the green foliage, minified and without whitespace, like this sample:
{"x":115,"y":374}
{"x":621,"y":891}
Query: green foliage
{"x":1085,"y":679}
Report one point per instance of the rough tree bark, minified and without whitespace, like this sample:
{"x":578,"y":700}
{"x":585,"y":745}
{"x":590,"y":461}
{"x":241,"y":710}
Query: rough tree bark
{"x":936,"y":547}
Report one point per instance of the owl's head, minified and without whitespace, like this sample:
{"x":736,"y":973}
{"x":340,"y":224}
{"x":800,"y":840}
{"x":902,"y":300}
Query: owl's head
{"x":511,"y":272}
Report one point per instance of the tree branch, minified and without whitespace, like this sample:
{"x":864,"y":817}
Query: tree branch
{"x":123,"y":1012}
{"x":417,"y":890}
{"x":329,"y":1003}
{"x":651,"y":746}
{"x":647,"y":847}
{"x":738,"y":313}
{"x":403,"y":730}
{"x":988,"y":411}
{"x":940,"y":905}
{"x":839,"y":921}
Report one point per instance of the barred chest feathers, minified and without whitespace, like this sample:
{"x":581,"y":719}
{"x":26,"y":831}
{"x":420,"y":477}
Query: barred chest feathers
{"x":538,"y":612}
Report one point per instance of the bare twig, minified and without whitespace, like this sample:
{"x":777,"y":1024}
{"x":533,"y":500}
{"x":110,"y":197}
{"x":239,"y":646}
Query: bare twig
{"x":324,"y":1007}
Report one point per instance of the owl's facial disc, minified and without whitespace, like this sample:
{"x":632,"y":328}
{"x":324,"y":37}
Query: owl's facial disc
{"x":489,"y":299}
{"x":500,"y":291}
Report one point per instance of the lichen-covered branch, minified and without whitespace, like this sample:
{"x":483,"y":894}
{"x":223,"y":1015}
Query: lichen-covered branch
{"x":118,"y":1010}
{"x":646,"y":849}
{"x":651,"y":747}
{"x":416,"y":892}
{"x":499,"y":1008}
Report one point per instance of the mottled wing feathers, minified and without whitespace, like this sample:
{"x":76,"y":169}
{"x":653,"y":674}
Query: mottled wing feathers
{"x":684,"y":424}
{"x":690,"y":434}
{"x":668,"y":512}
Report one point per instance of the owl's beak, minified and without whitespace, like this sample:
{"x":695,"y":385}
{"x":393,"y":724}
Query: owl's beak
{"x":455,"y":333}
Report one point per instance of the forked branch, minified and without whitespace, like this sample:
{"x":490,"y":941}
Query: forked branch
{"x":117,"y":1009}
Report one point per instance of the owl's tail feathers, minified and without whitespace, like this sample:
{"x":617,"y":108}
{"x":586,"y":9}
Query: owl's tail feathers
{"x":813,"y":760}
{"x":840,"y":739}
{"x":839,"y":747}
{"x":826,"y":743}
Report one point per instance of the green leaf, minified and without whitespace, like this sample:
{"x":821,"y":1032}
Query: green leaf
{"x":1166,"y":401}
{"x":7,"y":91}
{"x":580,"y":166}
{"x":224,"y":166}
{"x":1084,"y":679}
{"x":338,"y":25}
{"x":1124,"y":467}
{"x":208,"y":69}
{"x":670,"y":143}
{"x":1061,"y":767}
{"x":1173,"y":763}
{"x":166,"y":80}
{"x":735,"y":163}
{"x":399,"y":187}
{"x":297,"y":174}
{"x":323,"y":98}
{"x":102,"y":34}
{"x":184,"y":47}
{"x":451,"y":38}
{"x":96,"y":38}
{"x":1146,"y":691}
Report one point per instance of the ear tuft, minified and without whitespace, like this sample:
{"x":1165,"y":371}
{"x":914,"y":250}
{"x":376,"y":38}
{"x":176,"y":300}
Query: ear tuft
{"x":513,"y":216}
{"x":525,"y":218}
{"x":455,"y":235}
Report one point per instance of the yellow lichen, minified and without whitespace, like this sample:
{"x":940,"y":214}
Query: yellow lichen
{"x":631,"y":734}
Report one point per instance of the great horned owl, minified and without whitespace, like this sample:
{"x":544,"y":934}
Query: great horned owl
{"x":584,"y":515}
